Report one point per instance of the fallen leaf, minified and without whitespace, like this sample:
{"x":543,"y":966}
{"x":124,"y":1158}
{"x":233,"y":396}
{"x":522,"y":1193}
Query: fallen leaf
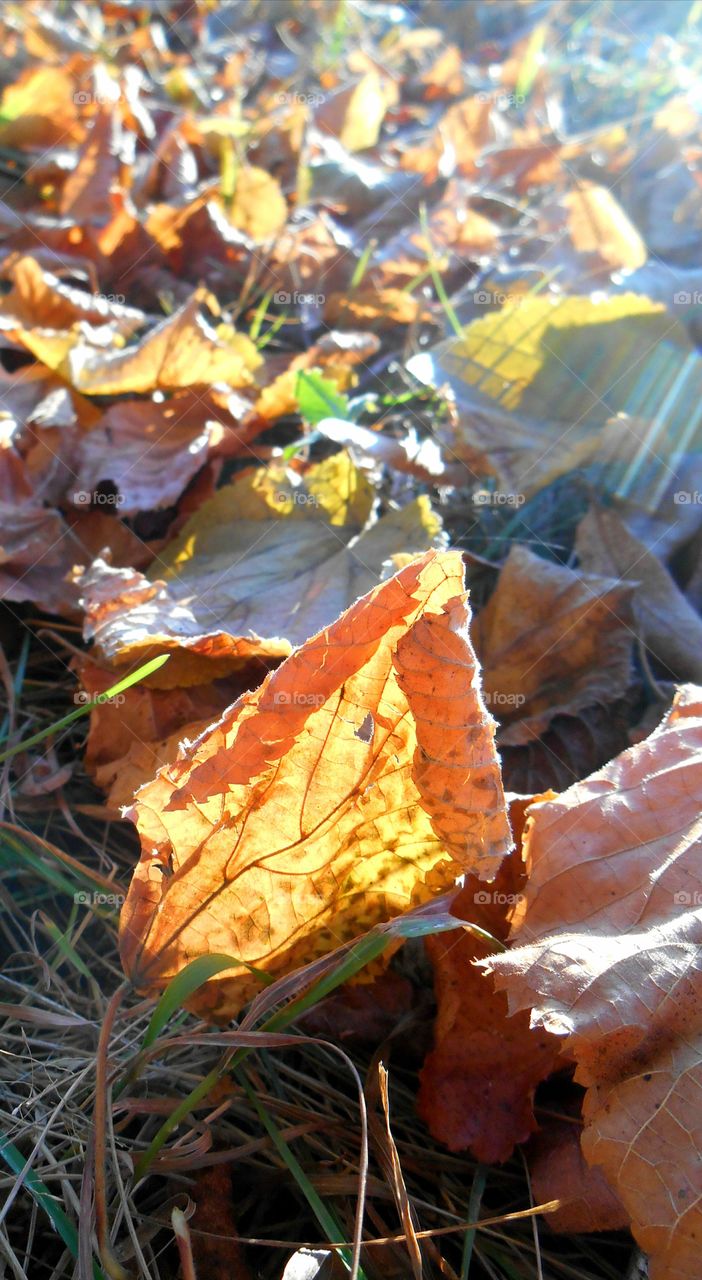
{"x":87,"y":193}
{"x":181,"y":351}
{"x":355,"y":113}
{"x":258,"y":206}
{"x":545,"y":385}
{"x":570,"y":748}
{"x":552,"y":642}
{"x":217,"y":1253}
{"x":666,"y":623}
{"x":606,"y":951}
{"x":457,"y":141}
{"x":422,"y":459}
{"x":38,"y":110}
{"x":132,"y":736}
{"x":558,"y":1171}
{"x":376,"y":309}
{"x":599,"y":226}
{"x":150,"y":450}
{"x":361,"y":1013}
{"x":353,"y":785}
{"x":265,"y":563}
{"x":37,"y":553}
{"x":39,"y":298}
{"x":477,"y":1084}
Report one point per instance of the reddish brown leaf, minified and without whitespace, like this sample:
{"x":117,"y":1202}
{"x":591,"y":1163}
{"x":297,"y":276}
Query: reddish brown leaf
{"x":608,"y":956}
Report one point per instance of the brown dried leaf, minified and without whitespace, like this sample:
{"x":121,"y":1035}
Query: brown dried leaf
{"x":355,"y":113}
{"x":668,"y":625}
{"x":39,"y":298}
{"x":606,"y":950}
{"x":265,"y":563}
{"x":552,"y":642}
{"x":559,"y":1172}
{"x":87,"y":194}
{"x":478,"y":1082}
{"x":151,"y":450}
{"x":352,"y":786}
{"x":133,"y":735}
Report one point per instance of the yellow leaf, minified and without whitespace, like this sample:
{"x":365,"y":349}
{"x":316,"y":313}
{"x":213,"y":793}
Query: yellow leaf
{"x":358,"y":781}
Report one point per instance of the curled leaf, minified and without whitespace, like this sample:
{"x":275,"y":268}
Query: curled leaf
{"x":353,"y":785}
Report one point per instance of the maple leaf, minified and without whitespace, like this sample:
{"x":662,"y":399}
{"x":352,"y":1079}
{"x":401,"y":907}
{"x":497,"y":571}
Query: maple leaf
{"x":606,"y":951}
{"x":353,"y":785}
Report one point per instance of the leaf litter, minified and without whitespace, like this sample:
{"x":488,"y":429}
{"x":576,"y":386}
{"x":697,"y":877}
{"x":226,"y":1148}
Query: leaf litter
{"x":350,"y":361}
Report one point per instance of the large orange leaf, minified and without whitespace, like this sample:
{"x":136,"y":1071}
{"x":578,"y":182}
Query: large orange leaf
{"x":609,"y":960}
{"x":354,"y":784}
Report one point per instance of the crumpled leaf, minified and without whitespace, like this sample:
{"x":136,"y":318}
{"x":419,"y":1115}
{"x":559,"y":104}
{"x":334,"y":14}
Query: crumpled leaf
{"x":37,"y":552}
{"x":181,"y":351}
{"x":353,"y":785}
{"x":477,"y":1083}
{"x":606,"y":949}
{"x":265,"y":563}
{"x":41,"y":552}
{"x":552,"y":642}
{"x":134,"y":735}
{"x":668,"y":625}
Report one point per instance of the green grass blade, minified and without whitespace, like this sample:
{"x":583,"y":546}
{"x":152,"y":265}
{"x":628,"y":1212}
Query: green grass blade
{"x":531,"y":62}
{"x":63,"y":1225}
{"x":476,"y":1195}
{"x":140,"y":674}
{"x":325,"y":1218}
{"x":194,"y":975}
